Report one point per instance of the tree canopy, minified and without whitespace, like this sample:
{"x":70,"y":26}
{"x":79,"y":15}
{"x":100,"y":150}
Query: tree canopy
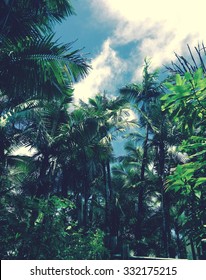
{"x":70,"y":196}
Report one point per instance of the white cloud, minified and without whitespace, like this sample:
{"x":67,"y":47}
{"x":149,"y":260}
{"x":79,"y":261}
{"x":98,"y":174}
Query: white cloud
{"x":181,"y":16}
{"x":106,"y":67}
{"x":159,"y":27}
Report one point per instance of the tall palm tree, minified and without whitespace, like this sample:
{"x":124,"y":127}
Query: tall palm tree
{"x":141,"y":95}
{"x":33,"y":66}
{"x":127,"y":177}
{"x":111,"y":116}
{"x":165,"y":135}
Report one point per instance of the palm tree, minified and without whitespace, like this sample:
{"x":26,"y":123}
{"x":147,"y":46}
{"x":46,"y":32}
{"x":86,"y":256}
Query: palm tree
{"x":34,"y":66}
{"x":165,"y":135}
{"x":142,"y":95}
{"x":127,"y":177}
{"x":111,"y":116}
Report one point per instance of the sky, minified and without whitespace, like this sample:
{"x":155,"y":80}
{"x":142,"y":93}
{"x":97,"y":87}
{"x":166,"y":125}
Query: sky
{"x":117,"y":35}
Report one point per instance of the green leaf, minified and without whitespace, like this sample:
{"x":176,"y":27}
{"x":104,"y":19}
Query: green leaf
{"x":198,"y":193}
{"x":198,"y":75}
{"x":178,"y":80}
{"x":200,"y":181}
{"x":188,"y":76}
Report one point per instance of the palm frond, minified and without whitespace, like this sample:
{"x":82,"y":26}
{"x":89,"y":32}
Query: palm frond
{"x":30,"y":17}
{"x":189,"y":63}
{"x":42,"y":63}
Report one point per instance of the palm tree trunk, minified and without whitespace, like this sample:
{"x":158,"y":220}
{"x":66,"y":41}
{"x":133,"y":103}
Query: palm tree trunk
{"x":178,"y":241}
{"x":2,"y":153}
{"x":140,"y":208}
{"x":166,"y":234}
{"x":194,"y":256}
{"x":2,"y":160}
{"x":43,"y":186}
{"x":86,"y":188}
{"x":80,"y":210}
{"x":106,"y":191}
{"x":65,"y":176}
{"x":165,"y":222}
{"x":113,"y":211}
{"x":91,"y":210}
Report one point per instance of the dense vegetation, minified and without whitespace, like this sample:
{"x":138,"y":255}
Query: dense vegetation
{"x":70,"y":197}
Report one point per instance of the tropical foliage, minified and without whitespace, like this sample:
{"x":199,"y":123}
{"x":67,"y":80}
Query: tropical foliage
{"x":68,"y":195}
